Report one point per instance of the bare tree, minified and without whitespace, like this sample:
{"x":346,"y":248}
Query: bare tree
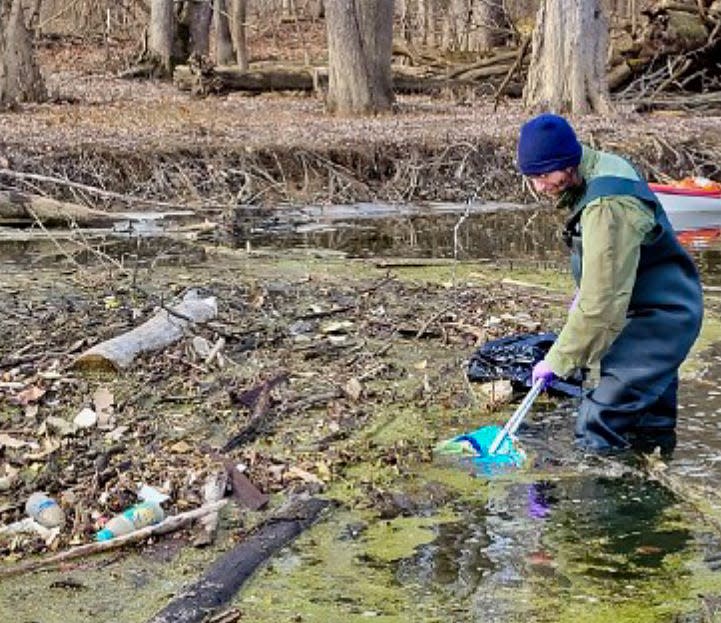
{"x":20,"y":77}
{"x":360,"y":39}
{"x":489,"y":25}
{"x":192,"y":33}
{"x":161,"y":35}
{"x":288,"y":9}
{"x":238,"y":16}
{"x":317,"y":8}
{"x":455,"y":26}
{"x":427,"y":21}
{"x":224,"y":54}
{"x":198,"y":16}
{"x":568,"y":58}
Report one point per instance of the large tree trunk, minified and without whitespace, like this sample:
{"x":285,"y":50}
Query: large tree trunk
{"x":20,"y":78}
{"x":317,"y":9}
{"x":360,"y":43}
{"x":455,"y":27}
{"x":238,"y":28}
{"x":404,"y":18}
{"x":224,"y":79}
{"x":161,"y":34}
{"x":198,"y":15}
{"x":567,"y":72}
{"x":427,"y":21}
{"x":489,"y":25}
{"x":224,"y":54}
{"x":288,"y":10}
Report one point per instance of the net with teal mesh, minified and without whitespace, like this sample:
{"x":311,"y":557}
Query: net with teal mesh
{"x":474,"y":447}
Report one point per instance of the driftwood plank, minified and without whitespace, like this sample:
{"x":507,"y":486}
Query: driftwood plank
{"x":228,"y":573}
{"x":166,"y":327}
{"x":244,"y":490}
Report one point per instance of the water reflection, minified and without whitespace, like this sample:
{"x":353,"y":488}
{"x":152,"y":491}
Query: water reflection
{"x":526,"y":233}
{"x":586,"y":538}
{"x":517,"y":233}
{"x":708,"y":261}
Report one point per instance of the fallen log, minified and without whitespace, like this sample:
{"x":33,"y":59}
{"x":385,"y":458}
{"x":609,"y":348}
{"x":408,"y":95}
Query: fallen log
{"x":224,"y":79}
{"x":405,"y":84}
{"x":228,"y":573}
{"x":674,"y":5}
{"x":691,"y":101}
{"x":619,"y":75}
{"x":166,"y":327}
{"x":500,"y":58}
{"x":487,"y":71}
{"x":18,"y":208}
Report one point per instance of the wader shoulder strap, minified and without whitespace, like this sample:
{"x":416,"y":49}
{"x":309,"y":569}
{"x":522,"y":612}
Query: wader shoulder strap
{"x":607,"y":186}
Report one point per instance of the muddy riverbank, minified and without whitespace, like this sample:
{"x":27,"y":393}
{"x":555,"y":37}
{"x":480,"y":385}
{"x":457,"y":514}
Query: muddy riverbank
{"x":145,"y":139}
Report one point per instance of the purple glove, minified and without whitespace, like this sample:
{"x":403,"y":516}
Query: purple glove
{"x":574,"y":302}
{"x":542,"y":371}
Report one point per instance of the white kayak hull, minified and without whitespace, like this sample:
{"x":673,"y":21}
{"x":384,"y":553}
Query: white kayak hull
{"x":688,"y":211}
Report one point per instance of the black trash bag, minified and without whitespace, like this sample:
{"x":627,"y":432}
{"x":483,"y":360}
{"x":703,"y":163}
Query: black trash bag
{"x":512,"y":358}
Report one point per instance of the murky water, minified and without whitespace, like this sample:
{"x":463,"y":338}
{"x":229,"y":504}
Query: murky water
{"x":590,"y":547}
{"x":486,"y":231}
{"x":543,"y":551}
{"x":573,"y":539}
{"x":586,"y":548}
{"x":565,"y":541}
{"x":489,"y":231}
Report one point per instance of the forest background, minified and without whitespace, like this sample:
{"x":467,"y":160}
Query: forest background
{"x":101,"y":93}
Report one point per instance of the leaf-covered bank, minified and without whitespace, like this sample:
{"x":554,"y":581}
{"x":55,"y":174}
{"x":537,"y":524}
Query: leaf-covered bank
{"x":145,"y":140}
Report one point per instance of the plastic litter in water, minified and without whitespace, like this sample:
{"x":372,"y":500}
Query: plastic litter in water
{"x":473,"y":447}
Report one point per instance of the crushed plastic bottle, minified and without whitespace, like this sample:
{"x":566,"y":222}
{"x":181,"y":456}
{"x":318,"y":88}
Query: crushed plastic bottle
{"x":130,"y":520}
{"x":44,"y":510}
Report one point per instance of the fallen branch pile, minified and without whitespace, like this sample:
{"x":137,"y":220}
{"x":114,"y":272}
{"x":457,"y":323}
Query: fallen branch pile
{"x":675,"y":52}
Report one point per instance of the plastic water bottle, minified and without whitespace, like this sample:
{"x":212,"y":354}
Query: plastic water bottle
{"x":131,"y":519}
{"x":44,"y":510}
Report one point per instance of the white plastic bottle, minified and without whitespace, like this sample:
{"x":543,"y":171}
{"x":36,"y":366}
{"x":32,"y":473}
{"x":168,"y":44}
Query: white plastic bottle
{"x":44,"y":510}
{"x":131,"y":519}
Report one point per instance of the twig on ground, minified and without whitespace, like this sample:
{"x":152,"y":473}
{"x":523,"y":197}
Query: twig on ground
{"x":169,"y":524}
{"x":430,"y":321}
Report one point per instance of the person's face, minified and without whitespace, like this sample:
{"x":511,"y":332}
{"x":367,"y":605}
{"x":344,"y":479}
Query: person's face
{"x":555,"y":182}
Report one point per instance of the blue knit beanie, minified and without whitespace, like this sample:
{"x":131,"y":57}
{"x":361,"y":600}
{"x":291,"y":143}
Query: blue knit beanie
{"x":547,"y":143}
